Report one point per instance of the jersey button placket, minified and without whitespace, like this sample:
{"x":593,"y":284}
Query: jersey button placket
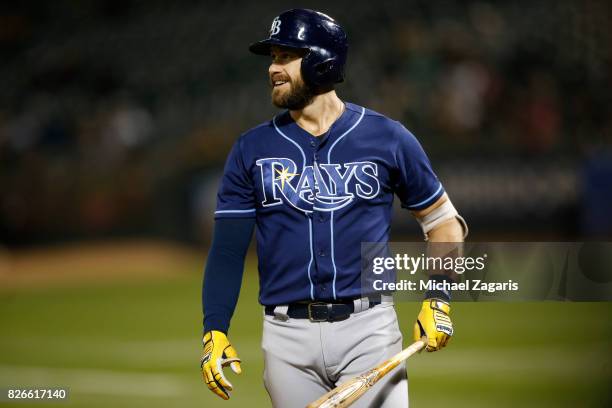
{"x":321,"y":236}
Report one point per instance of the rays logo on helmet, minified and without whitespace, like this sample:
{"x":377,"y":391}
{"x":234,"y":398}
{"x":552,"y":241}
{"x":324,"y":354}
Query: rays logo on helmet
{"x":322,"y":187}
{"x":275,"y":28}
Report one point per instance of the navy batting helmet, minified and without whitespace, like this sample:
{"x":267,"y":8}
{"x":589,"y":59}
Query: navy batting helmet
{"x":319,"y":34}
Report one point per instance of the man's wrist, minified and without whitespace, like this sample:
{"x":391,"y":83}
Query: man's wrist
{"x":219,"y":325}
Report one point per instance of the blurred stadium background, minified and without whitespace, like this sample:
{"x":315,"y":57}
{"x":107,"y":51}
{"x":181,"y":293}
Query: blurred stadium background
{"x":115,"y":120}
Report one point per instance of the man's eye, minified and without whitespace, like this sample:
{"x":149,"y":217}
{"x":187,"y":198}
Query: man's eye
{"x":282,"y":57}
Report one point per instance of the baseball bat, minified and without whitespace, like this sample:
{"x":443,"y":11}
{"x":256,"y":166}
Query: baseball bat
{"x":345,"y":394}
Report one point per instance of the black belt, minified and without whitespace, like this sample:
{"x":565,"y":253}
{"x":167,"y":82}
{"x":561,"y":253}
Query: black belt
{"x":322,"y":311}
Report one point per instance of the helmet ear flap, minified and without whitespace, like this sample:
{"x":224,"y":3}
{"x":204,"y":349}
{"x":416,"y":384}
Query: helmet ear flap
{"x":308,"y":73}
{"x":324,"y":67}
{"x":329,"y":71}
{"x":318,"y":73}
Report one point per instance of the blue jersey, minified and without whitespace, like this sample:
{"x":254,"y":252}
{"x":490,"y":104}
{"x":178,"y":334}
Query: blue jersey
{"x":315,"y":199}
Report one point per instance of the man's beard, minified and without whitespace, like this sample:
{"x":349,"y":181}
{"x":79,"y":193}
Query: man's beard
{"x":298,"y":97}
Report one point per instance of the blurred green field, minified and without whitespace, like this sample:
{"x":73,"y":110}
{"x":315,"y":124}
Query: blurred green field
{"x":136,"y":344}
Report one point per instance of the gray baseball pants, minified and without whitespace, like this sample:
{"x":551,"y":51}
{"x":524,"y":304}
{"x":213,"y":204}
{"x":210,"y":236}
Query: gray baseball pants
{"x":304,"y":360}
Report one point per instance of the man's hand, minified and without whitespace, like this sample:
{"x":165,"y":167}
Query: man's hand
{"x":434,"y":322}
{"x":218,"y":353}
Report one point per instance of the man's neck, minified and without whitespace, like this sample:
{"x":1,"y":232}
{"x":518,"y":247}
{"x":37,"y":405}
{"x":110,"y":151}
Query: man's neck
{"x":318,"y":117}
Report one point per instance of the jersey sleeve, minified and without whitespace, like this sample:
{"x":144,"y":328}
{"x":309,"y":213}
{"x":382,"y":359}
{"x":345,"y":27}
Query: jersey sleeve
{"x":417,"y":185}
{"x":236,"y":197}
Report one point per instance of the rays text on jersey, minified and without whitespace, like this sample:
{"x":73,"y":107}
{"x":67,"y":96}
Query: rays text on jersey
{"x":321,"y":187}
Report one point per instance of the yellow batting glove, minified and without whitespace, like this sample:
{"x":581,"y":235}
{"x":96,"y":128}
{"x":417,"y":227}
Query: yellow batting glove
{"x":435,"y":323}
{"x":218,"y":353}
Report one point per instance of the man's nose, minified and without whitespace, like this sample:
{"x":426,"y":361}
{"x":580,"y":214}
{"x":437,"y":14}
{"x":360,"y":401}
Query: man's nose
{"x":274,"y":68}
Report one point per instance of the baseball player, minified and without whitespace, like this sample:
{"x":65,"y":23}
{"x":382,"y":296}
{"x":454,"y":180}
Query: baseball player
{"x":317,"y":180}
